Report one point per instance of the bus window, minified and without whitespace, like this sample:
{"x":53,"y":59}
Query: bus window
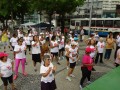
{"x":99,"y":23}
{"x":73,"y":22}
{"x":93,"y":23}
{"x":117,"y":24}
{"x":85,"y":23}
{"x":108,"y":23}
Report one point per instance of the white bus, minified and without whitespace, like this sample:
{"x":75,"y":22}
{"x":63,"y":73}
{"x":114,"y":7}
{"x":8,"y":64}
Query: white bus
{"x":102,"y":25}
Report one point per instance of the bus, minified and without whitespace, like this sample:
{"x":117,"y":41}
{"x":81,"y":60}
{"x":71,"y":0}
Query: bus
{"x":102,"y":25}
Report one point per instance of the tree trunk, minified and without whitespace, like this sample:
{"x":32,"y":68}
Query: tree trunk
{"x":50,"y":19}
{"x":62,"y":23}
{"x":22,"y":18}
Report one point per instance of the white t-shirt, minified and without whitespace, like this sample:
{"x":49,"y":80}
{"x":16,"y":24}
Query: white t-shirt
{"x":20,"y":35}
{"x":100,"y":47}
{"x":30,"y":36}
{"x":92,"y":54}
{"x":61,"y":44}
{"x":36,"y":49}
{"x":13,"y":41}
{"x":6,"y":68}
{"x":21,"y":54}
{"x":67,"y":47}
{"x":27,"y":40}
{"x":73,"y":54}
{"x":96,"y":37}
{"x":50,"y":76}
{"x":55,"y":49}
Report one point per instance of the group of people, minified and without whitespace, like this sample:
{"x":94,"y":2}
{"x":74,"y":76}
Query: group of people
{"x":49,"y":46}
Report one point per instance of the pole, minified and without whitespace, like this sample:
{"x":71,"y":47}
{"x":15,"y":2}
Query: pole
{"x":91,"y":9}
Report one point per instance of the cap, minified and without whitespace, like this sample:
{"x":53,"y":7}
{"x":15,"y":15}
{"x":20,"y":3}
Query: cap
{"x":2,"y":54}
{"x":88,"y":49}
{"x":75,"y":38}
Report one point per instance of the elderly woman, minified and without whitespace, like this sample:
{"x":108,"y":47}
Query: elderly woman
{"x":6,"y":70}
{"x":47,"y":71}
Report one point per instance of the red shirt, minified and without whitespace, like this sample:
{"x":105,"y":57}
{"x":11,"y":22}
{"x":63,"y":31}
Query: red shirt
{"x":87,"y":60}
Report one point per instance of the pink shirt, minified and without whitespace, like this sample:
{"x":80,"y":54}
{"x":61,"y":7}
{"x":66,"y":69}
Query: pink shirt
{"x":87,"y":60}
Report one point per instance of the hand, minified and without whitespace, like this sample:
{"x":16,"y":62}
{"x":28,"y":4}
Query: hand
{"x":1,"y":75}
{"x":50,"y":68}
{"x":54,"y":68}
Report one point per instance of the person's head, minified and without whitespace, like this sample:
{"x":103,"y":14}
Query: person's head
{"x":88,"y":50}
{"x":20,"y":41}
{"x":111,"y":36}
{"x":26,"y":35}
{"x":35,"y":38}
{"x":76,"y":39}
{"x":73,"y":45}
{"x":81,"y":27}
{"x":101,"y":39}
{"x":14,"y":35}
{"x":3,"y":56}
{"x":91,"y":42}
{"x":96,"y":32}
{"x":46,"y":60}
{"x":53,"y":38}
{"x":68,"y":41}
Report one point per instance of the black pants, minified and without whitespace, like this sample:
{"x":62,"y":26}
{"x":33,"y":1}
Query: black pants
{"x":116,"y":52}
{"x":85,"y":74}
{"x":97,"y":58}
{"x":7,"y":79}
{"x":117,"y":65}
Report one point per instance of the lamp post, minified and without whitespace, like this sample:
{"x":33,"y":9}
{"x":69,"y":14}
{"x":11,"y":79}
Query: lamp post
{"x":90,"y":19}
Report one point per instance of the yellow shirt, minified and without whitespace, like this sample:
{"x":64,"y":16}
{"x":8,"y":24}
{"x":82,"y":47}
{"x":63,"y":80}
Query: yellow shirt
{"x":110,"y":44}
{"x":4,"y":38}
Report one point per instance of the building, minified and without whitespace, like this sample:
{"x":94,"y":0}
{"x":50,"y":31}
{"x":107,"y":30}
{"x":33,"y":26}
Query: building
{"x":101,"y":8}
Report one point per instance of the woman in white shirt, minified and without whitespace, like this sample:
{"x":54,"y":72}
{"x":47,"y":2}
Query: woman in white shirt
{"x":100,"y":49}
{"x":6,"y":70}
{"x":13,"y":41}
{"x":54,"y":49}
{"x":27,"y":42}
{"x":73,"y":55}
{"x":67,"y":47}
{"x":47,"y":71}
{"x":20,"y":57}
{"x":36,"y":51}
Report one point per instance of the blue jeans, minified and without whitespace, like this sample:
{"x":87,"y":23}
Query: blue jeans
{"x":107,"y":53}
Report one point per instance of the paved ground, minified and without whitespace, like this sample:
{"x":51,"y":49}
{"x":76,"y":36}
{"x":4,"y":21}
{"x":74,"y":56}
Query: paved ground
{"x":32,"y":81}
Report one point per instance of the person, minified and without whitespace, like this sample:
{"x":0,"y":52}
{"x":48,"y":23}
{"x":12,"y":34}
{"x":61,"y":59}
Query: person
{"x":117,"y":60}
{"x":47,"y":71}
{"x":54,"y":48}
{"x":61,"y":47}
{"x":117,"y":45}
{"x":13,"y":41}
{"x":4,"y":39}
{"x":100,"y":49}
{"x":86,"y":67}
{"x":36,"y":51}
{"x":109,"y":47}
{"x":27,"y":42}
{"x":96,"y":36}
{"x":72,"y":54}
{"x":81,"y":33}
{"x":67,"y":47}
{"x":20,"y":57}
{"x":6,"y":70}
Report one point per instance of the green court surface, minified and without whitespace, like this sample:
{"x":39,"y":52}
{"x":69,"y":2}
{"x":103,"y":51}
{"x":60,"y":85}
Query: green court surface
{"x":110,"y":81}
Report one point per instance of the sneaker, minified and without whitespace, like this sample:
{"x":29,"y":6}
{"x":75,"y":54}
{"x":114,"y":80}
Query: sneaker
{"x":68,"y":78}
{"x":72,"y":75}
{"x":35,"y":70}
{"x":58,"y":63}
{"x":89,"y":82}
{"x":25,"y":74}
{"x":15,"y":77}
{"x":80,"y":87}
{"x":67,"y":67}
